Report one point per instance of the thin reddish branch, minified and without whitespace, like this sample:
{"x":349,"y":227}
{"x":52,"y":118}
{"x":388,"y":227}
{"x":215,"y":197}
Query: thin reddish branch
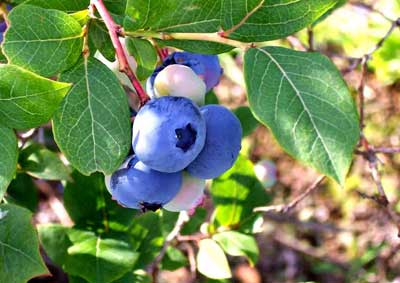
{"x":113,"y":30}
{"x":284,"y":208}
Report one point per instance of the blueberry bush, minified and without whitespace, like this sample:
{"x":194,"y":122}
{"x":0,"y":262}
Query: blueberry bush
{"x":108,"y":110}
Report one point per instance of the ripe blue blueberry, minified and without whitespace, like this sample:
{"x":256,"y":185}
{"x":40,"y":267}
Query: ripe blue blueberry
{"x":168,"y":133}
{"x":205,"y":66}
{"x":222,"y":146}
{"x":3,"y":27}
{"x":140,"y":187}
{"x":189,"y":194}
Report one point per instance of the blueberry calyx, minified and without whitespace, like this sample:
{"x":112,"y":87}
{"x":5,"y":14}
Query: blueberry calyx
{"x":186,"y":137}
{"x":145,"y":206}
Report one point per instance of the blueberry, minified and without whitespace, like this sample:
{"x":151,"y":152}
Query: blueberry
{"x":190,"y":193}
{"x":266,"y":172}
{"x":222,"y":146}
{"x":180,"y":80}
{"x":3,"y":27}
{"x":168,"y":133}
{"x":138,"y":186}
{"x":205,"y":66}
{"x":107,"y":178}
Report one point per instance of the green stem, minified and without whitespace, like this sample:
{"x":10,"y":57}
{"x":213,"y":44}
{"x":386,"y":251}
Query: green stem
{"x":213,"y":37}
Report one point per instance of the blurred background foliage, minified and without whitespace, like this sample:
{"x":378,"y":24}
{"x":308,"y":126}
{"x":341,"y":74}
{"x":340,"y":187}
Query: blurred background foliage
{"x":334,"y":235}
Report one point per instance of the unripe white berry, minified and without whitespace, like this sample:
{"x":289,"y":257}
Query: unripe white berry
{"x":180,"y":80}
{"x":190,"y":193}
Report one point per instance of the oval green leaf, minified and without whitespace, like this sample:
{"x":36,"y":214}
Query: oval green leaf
{"x":8,"y":157}
{"x":26,"y":99}
{"x":20,"y":258}
{"x":43,"y":41}
{"x":211,"y":260}
{"x":263,"y":20}
{"x":92,"y":125}
{"x":238,"y":244}
{"x":39,"y":162}
{"x":236,"y":193}
{"x":97,"y":258}
{"x":303,"y":99}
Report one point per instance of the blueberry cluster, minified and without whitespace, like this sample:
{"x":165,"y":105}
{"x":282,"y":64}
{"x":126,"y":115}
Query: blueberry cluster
{"x":177,"y":143}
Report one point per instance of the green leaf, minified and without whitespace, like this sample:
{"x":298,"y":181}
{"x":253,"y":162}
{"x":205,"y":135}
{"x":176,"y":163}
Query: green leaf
{"x":247,"y":120}
{"x":99,"y":39}
{"x":238,"y":244}
{"x":146,"y":237}
{"x":211,"y":98}
{"x":211,"y":260}
{"x":116,"y":9}
{"x":8,"y":157}
{"x":3,"y":59}
{"x":55,"y":241}
{"x":43,"y":41}
{"x":68,"y":6}
{"x":339,"y":4}
{"x":236,"y":193}
{"x":273,"y":19}
{"x":138,"y":276}
{"x":20,"y":258}
{"x":195,"y":221}
{"x":173,"y":259}
{"x":304,"y":100}
{"x":76,"y":279}
{"x":248,"y":21}
{"x":39,"y":162}
{"x":26,"y":99}
{"x":23,"y":192}
{"x":145,"y":55}
{"x":82,"y":17}
{"x":98,"y":259}
{"x":92,"y":125}
{"x":196,"y":46}
{"x":173,"y":15}
{"x":90,"y":205}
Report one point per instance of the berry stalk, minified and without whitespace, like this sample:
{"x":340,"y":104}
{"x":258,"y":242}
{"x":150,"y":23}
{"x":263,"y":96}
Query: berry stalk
{"x":113,"y":29}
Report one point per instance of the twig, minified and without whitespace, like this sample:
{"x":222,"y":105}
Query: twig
{"x":124,"y":67}
{"x":55,"y":204}
{"x":4,"y":13}
{"x":213,"y":37}
{"x":310,"y":33}
{"x":361,"y":90}
{"x":369,"y":8}
{"x":284,"y":208}
{"x":389,"y":150}
{"x":182,"y":219}
{"x":295,"y":43}
{"x":192,"y":260}
{"x":194,"y":238}
{"x":393,"y":26}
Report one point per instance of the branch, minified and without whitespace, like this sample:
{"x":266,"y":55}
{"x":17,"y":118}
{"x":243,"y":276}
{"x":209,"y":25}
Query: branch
{"x":284,"y":208}
{"x":182,"y":219}
{"x":213,"y":37}
{"x":113,"y":30}
{"x":310,"y":33}
{"x":369,"y":8}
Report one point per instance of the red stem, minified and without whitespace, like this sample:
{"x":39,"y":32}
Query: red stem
{"x":123,"y":61}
